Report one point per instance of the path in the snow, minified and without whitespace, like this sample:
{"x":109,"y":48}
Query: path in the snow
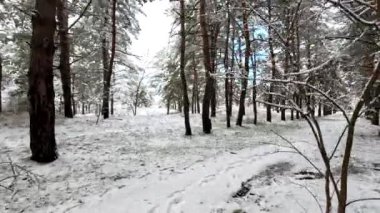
{"x":200,"y":188}
{"x":145,"y":164}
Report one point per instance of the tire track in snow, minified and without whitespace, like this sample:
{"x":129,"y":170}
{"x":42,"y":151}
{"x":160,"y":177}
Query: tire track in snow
{"x":200,"y":188}
{"x":176,"y":199}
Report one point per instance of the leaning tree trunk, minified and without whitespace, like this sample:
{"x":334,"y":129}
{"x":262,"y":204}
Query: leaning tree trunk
{"x":64,"y":66}
{"x":41,"y":87}
{"x":245,"y":71}
{"x":108,"y":74}
{"x":182,"y":69}
{"x":206,"y":121}
{"x":342,"y":200}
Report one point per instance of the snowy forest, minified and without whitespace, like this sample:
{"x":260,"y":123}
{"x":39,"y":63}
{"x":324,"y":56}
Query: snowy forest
{"x":245,"y":106}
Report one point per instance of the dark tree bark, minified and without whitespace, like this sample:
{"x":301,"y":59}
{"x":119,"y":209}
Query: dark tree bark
{"x":273,"y":62}
{"x":72,"y":95}
{"x":227,"y":80}
{"x":231,"y":77}
{"x":193,"y":100}
{"x":327,"y":110}
{"x":206,"y":121}
{"x":376,"y":106}
{"x":186,"y":103}
{"x":108,"y":74}
{"x":195,"y":88}
{"x":64,"y":66}
{"x":247,"y":55}
{"x":105,"y":61}
{"x":214,"y":39}
{"x":41,"y":87}
{"x":112,"y":94}
{"x":254,"y":89}
{"x":112,"y":102}
{"x":168,"y":106}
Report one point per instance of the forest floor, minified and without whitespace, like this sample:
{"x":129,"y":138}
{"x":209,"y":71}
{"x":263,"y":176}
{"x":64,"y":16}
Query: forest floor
{"x":146,"y":164}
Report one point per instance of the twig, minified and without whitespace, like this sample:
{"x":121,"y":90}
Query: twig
{"x":311,"y":193}
{"x":298,"y":151}
{"x":363,"y":199}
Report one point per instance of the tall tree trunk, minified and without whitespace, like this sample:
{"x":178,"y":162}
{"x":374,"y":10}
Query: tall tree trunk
{"x":112,"y":94}
{"x":112,"y":104}
{"x":72,"y":94}
{"x":64,"y":60}
{"x":206,"y":121}
{"x":243,"y":93}
{"x":231,"y":76}
{"x":193,"y":100}
{"x":254,"y":90}
{"x":182,"y":69}
{"x":41,"y":86}
{"x":108,"y":74}
{"x":196,"y":87}
{"x":168,"y":106}
{"x":273,"y":62}
{"x":198,"y":103}
{"x":213,"y":39}
{"x":105,"y":61}
{"x":227,"y":80}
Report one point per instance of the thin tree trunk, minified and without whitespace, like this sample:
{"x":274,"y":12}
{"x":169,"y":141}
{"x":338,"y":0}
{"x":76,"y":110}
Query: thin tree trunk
{"x":168,"y":106}
{"x":243,"y":93}
{"x":350,"y":138}
{"x":198,"y":103}
{"x":112,"y":104}
{"x":214,"y":38}
{"x":206,"y":121}
{"x":273,"y":62}
{"x":108,"y":74}
{"x":254,"y":90}
{"x":41,"y":86}
{"x":226,"y":66}
{"x":64,"y":66}
{"x":182,"y":69}
{"x":112,"y":94}
{"x":231,"y":77}
{"x":195,"y":87}
{"x":193,"y":99}
{"x":72,"y":94}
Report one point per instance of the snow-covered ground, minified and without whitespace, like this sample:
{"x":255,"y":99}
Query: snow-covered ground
{"x":146,"y":164}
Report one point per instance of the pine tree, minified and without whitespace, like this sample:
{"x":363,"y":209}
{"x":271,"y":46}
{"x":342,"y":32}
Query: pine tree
{"x":41,"y":88}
